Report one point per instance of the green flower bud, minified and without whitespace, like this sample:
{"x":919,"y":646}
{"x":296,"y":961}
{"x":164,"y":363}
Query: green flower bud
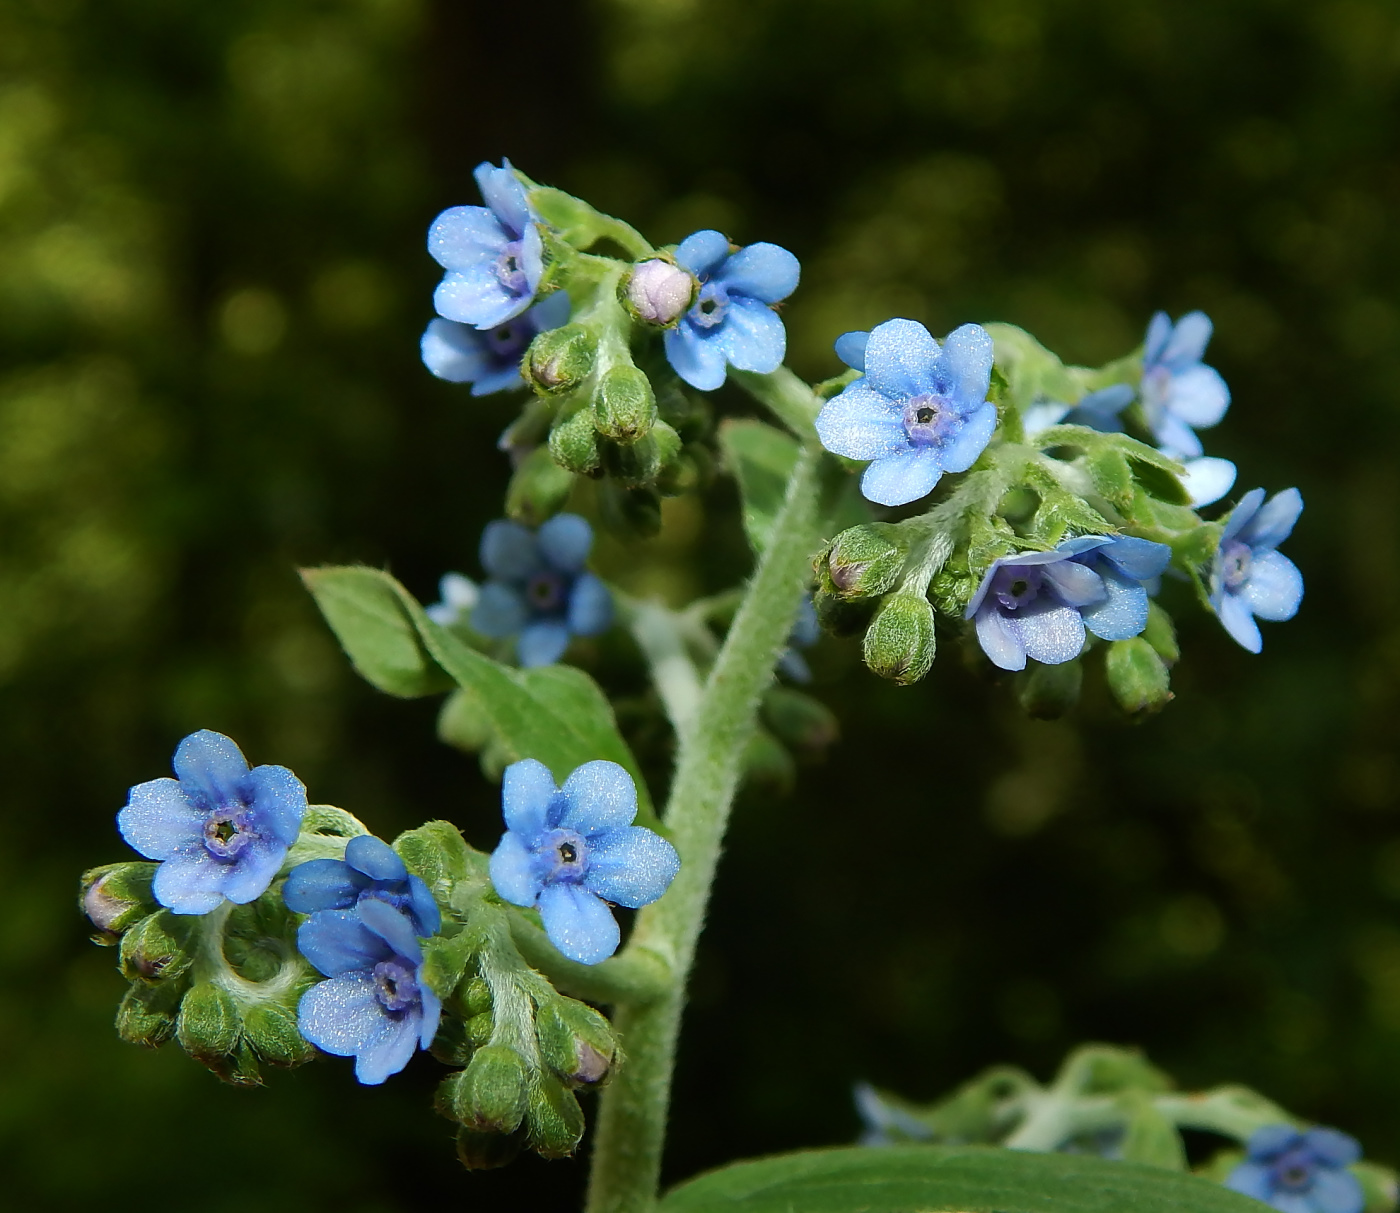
{"x":1047,"y":692}
{"x":451,"y":1046}
{"x":560,"y":359}
{"x":538,"y":488}
{"x":624,"y":408}
{"x":487,"y":1151}
{"x":115,"y":896}
{"x":798,"y":720}
{"x":476,"y":996}
{"x":837,"y":615}
{"x":573,"y":444}
{"x":491,"y":1092}
{"x":554,"y":1118}
{"x":865,"y":561}
{"x":1137,"y":677}
{"x":576,"y":1042}
{"x":899,"y":643}
{"x":658,"y":292}
{"x":158,"y":948}
{"x":271,"y":1029}
{"x":208,"y":1025}
{"x":480,"y":1027}
{"x":146,"y":1015}
{"x":1161,"y":634}
{"x":239,"y":1068}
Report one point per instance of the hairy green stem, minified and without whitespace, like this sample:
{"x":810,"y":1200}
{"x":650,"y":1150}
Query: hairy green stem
{"x":632,"y":1118}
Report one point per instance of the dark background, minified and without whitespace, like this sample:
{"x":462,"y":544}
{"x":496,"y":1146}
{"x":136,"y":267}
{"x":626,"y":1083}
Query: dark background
{"x":212,"y":281}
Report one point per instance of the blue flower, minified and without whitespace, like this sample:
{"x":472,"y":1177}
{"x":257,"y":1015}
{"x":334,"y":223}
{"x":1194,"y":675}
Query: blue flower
{"x":1249,"y":577}
{"x":493,"y":254}
{"x":1099,"y":410}
{"x":370,"y":868}
{"x":1300,"y":1172}
{"x":1180,"y":394}
{"x":375,"y":1008}
{"x":1038,"y":604}
{"x":220,"y":830}
{"x":572,"y":850}
{"x":806,"y":631}
{"x":539,"y":591}
{"x":918,"y":411}
{"x":457,"y":595}
{"x":489,"y":359}
{"x":731,"y":322}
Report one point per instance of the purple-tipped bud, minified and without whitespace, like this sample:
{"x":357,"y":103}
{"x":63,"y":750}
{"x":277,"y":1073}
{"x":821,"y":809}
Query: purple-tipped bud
{"x":116,"y":896}
{"x":659,"y":292}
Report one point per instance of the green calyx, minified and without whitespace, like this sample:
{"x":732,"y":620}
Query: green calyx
{"x":539,"y":488}
{"x":559,"y":360}
{"x":117,"y":896}
{"x":1137,"y":676}
{"x":899,"y":643}
{"x":624,"y":406}
{"x":865,"y":561}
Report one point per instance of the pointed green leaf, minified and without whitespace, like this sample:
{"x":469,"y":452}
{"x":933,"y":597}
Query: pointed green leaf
{"x":762,"y":459}
{"x":932,"y":1179}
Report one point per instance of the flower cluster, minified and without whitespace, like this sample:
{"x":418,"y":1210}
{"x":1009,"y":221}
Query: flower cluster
{"x":571,"y":850}
{"x":367,"y":913}
{"x":1300,"y":1171}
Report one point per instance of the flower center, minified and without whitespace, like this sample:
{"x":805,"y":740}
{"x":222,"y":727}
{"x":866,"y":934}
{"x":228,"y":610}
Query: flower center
{"x":395,"y":986}
{"x":567,"y":855}
{"x":1235,"y":561}
{"x":510,"y":269}
{"x":545,"y":592}
{"x":226,"y":833}
{"x":711,"y":307}
{"x":1017,"y":587}
{"x":1156,"y":387}
{"x":1294,"y":1172}
{"x":929,"y":420}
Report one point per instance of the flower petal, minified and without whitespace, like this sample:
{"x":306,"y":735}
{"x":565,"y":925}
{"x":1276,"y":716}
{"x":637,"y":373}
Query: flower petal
{"x":1139,"y":559}
{"x":752,"y":337}
{"x":477,"y":297}
{"x":1042,"y":416}
{"x":1336,"y":1192}
{"x":393,"y":927}
{"x":1187,"y":342}
{"x":1198,"y":396}
{"x":322,"y":884}
{"x":1122,"y":613}
{"x":1275,"y":521}
{"x":513,"y":873}
{"x":1238,"y":620}
{"x":508,"y":550}
{"x":1267,"y":1143}
{"x":1175,"y":437}
{"x":764,"y":271}
{"x":1051,"y":633}
{"x":527,"y":791}
{"x":900,"y":358}
{"x":337,"y":942}
{"x":578,"y":924}
{"x":341,"y":1015}
{"x":902,"y":477}
{"x":967,"y":353}
{"x":1159,"y":332}
{"x":465,"y":238}
{"x":248,"y":877}
{"x":191,"y":882}
{"x":564,"y":541}
{"x":423,"y":907}
{"x":1208,"y":479}
{"x":431,"y":1016}
{"x":375,"y":858}
{"x":1274,"y":588}
{"x":504,"y":193}
{"x":208,"y":764}
{"x":499,"y":611}
{"x":455,"y":352}
{"x":698,"y":361}
{"x":502,"y":380}
{"x":850,"y":348}
{"x":702,"y":252}
{"x":389,"y":1050}
{"x":1333,"y":1147}
{"x":631,"y":866}
{"x":861,"y":424}
{"x":542,"y":643}
{"x":1252,"y":1179}
{"x":1243,"y":513}
{"x":278,"y":802}
{"x":600,"y":796}
{"x":971,"y":439}
{"x":159,"y":819}
{"x":1001,"y":644}
{"x":551,"y":312}
{"x":590,"y":606}
{"x":1075,"y":584}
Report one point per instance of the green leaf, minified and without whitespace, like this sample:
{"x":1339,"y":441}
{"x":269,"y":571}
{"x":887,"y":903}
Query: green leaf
{"x":931,"y":1179}
{"x":367,"y":614}
{"x":762,"y":459}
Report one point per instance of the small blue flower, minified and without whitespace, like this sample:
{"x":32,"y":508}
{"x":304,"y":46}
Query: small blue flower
{"x":1300,"y":1172}
{"x":806,"y":631}
{"x":457,"y":595}
{"x":572,"y":850}
{"x":731,"y":322}
{"x":375,"y":1007}
{"x":918,"y":411}
{"x":539,"y":591}
{"x":489,"y":359}
{"x":1099,"y":410}
{"x":370,"y":868}
{"x":1038,"y":604}
{"x":1249,"y":577}
{"x":884,"y":1124}
{"x":493,"y":254}
{"x":1180,"y":394}
{"x":220,"y":830}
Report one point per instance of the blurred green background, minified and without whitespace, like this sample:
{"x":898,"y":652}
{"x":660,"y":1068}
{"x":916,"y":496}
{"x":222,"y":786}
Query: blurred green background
{"x":212,"y":281}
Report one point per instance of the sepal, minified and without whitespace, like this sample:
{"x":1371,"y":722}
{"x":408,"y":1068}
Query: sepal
{"x":1047,"y":692}
{"x":865,"y":561}
{"x":117,"y":896}
{"x":1137,"y":676}
{"x":559,"y":360}
{"x":576,"y":1042}
{"x":624,"y":406}
{"x":900,"y":643}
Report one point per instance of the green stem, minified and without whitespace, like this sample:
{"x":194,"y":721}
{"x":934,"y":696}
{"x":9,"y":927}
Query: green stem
{"x":632,"y":1116}
{"x":638,"y":975}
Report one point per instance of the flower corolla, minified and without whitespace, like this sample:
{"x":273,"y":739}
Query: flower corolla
{"x":371,"y":868}
{"x":1249,"y":577}
{"x":1300,"y":1171}
{"x":489,"y":359}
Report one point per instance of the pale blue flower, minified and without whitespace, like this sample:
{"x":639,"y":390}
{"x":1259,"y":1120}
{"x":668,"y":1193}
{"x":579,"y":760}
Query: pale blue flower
{"x":1180,"y":394}
{"x":919,"y":409}
{"x":457,"y":595}
{"x":219,"y":829}
{"x":1299,"y":1171}
{"x":371,"y":868}
{"x":1249,"y":577}
{"x":571,"y":850}
{"x":489,"y":359}
{"x":731,"y":322}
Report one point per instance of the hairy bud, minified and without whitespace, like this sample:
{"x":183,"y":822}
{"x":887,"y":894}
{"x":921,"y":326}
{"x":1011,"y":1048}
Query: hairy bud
{"x":1137,"y":676}
{"x":865,"y":561}
{"x":558,"y":360}
{"x":576,"y":1042}
{"x":208,"y":1025}
{"x":486,"y":1151}
{"x":899,"y":643}
{"x":538,"y":489}
{"x":574,"y":444}
{"x":490,"y":1093}
{"x":554,"y":1118}
{"x":271,"y":1029}
{"x":804,"y":723}
{"x":146,"y":1015}
{"x":658,"y":292}
{"x":157,"y":948}
{"x":117,"y":895}
{"x":624,"y":408}
{"x":1047,"y":692}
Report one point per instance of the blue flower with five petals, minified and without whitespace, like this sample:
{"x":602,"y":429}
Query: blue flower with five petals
{"x":1249,"y":577}
{"x":375,"y":1007}
{"x":493,"y":254}
{"x":1299,"y":1171}
{"x":219,"y":829}
{"x":489,"y":359}
{"x":731,"y":322}
{"x":1038,"y":604}
{"x":1180,"y":394}
{"x":919,"y":409}
{"x":539,"y":592}
{"x":571,"y":850}
{"x":371,"y":868}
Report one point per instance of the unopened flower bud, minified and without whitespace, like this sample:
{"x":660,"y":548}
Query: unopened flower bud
{"x":487,"y":1151}
{"x":576,"y":1042}
{"x":538,"y":489}
{"x":476,"y":996}
{"x":157,"y":948}
{"x":865,"y":561}
{"x":1137,"y":676}
{"x":490,"y":1093}
{"x":209,"y":1024}
{"x":899,"y":643}
{"x":271,"y":1029}
{"x":146,"y":1015}
{"x":574,"y":443}
{"x":624,"y":407}
{"x":560,"y":359}
{"x":1047,"y":692}
{"x":658,"y":292}
{"x":1161,"y":634}
{"x":554,"y":1118}
{"x":117,"y":895}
